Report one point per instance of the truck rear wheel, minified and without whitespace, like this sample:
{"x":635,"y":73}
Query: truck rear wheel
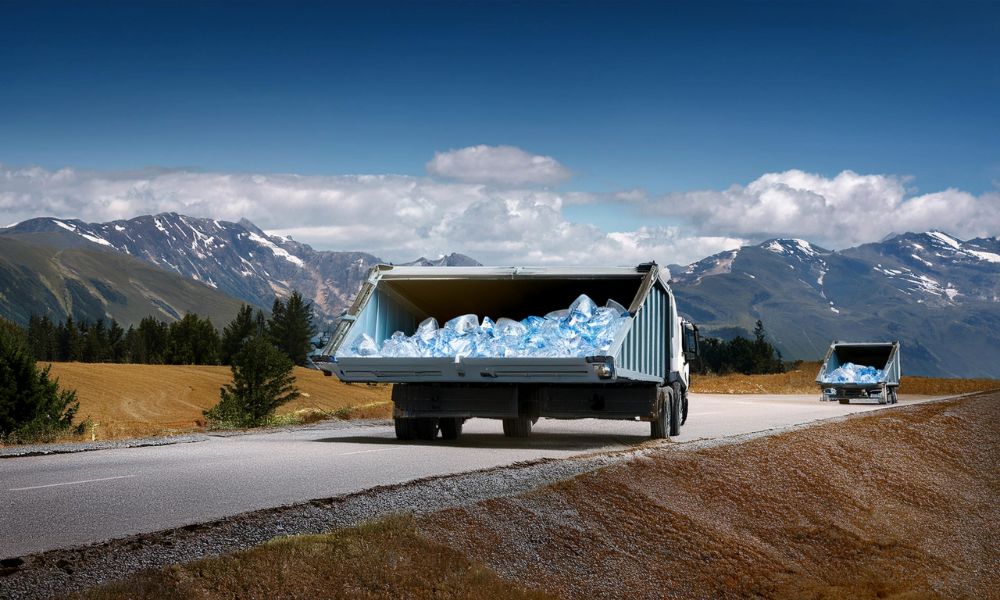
{"x":406,"y":428}
{"x":427,"y":428}
{"x":675,"y":410}
{"x":660,"y":426}
{"x":451,"y":428}
{"x":519,"y":427}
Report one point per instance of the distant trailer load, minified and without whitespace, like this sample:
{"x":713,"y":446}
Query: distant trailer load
{"x":638,"y":372}
{"x":864,"y":372}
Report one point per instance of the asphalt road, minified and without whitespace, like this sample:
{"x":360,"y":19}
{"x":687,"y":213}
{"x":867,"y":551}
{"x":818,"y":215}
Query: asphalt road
{"x":57,"y":501}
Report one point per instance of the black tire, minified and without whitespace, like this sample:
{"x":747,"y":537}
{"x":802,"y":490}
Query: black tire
{"x":684,"y":408}
{"x":427,"y":428}
{"x":659,"y":426}
{"x":675,"y":410}
{"x":451,"y":429}
{"x":406,"y":428}
{"x":892,"y":396}
{"x":519,"y":427}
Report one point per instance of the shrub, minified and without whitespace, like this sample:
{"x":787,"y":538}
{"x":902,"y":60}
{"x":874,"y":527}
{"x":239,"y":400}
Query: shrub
{"x":32,"y":407}
{"x":262,"y":381}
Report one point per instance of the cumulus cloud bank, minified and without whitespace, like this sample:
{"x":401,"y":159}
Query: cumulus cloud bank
{"x":498,"y":165}
{"x":844,"y":210}
{"x":401,"y":217}
{"x":395,"y":217}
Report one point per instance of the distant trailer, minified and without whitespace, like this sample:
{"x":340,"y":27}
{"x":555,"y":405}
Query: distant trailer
{"x":880,"y":355}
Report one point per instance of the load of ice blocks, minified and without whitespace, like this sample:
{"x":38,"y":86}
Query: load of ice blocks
{"x":584,"y":329}
{"x":852,"y":373}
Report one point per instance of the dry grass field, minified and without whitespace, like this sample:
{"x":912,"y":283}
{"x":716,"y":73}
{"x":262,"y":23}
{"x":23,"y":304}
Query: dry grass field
{"x":125,"y":401}
{"x":802,"y":380}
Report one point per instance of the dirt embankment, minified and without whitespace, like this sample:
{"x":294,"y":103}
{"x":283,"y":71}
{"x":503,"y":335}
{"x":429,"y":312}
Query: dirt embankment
{"x":900,"y":503}
{"x":142,"y":400}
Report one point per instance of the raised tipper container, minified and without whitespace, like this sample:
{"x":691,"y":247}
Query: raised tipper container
{"x":644,"y":375}
{"x":881,"y":355}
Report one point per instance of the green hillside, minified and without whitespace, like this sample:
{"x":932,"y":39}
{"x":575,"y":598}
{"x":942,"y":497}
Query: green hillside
{"x":40,"y":277}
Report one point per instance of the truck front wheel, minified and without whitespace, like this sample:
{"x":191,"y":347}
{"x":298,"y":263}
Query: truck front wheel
{"x":518,"y":427}
{"x":659,"y":426}
{"x":675,"y":410}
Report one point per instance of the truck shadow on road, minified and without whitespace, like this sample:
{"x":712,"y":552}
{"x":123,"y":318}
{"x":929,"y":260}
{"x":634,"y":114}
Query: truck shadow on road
{"x":578,"y":442}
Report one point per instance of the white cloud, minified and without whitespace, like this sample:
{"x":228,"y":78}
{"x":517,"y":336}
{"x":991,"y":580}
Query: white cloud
{"x":400,"y":218}
{"x":395,"y":217}
{"x":497,"y":164}
{"x":841,"y":211}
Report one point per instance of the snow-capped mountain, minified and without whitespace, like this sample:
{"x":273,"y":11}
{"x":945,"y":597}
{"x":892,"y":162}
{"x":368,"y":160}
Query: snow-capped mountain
{"x":936,"y":293}
{"x":238,"y":259}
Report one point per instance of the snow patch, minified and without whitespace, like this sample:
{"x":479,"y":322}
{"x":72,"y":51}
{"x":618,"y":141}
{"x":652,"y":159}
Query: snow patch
{"x":926,"y":262}
{"x":65,"y":226}
{"x":947,"y":239}
{"x":277,"y":250}
{"x":119,"y":228}
{"x":835,"y":310}
{"x":95,"y":239}
{"x":987,"y":256}
{"x":776,"y":247}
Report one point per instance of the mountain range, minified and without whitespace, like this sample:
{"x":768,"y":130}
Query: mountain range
{"x":237,"y":259}
{"x":937,"y":294}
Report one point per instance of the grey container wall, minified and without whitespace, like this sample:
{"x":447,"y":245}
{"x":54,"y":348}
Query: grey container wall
{"x":640,"y":353}
{"x":881,"y":355}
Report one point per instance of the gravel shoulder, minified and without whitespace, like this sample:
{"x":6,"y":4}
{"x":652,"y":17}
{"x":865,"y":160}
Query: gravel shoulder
{"x":696,"y":518}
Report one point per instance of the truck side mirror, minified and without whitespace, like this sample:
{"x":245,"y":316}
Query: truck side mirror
{"x":691,"y":342}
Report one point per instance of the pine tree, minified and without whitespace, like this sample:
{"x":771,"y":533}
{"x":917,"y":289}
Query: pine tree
{"x":262,"y":381}
{"x":291,"y":327}
{"x":241,"y":328}
{"x":32,"y":407}
{"x":149,"y":342}
{"x":70,"y":346}
{"x":192,"y":341}
{"x":116,"y":342}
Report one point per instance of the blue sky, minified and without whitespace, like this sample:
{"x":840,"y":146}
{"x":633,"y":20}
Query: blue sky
{"x":659,"y":97}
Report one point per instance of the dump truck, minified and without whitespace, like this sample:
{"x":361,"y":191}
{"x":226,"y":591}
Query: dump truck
{"x":882,"y":388}
{"x":643,"y":376}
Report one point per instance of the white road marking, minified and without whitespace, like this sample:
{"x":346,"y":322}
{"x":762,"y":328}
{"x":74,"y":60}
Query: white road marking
{"x":367,"y":451}
{"x":36,"y":487}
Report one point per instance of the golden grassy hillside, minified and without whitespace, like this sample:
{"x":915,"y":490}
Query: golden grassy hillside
{"x":802,"y":380}
{"x":143,"y":400}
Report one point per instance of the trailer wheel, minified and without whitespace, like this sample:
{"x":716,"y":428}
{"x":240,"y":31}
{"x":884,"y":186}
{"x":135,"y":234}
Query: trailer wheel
{"x":427,"y":428}
{"x":675,"y":410}
{"x":892,"y":396}
{"x":659,"y":426}
{"x":406,"y":428}
{"x":451,"y":429}
{"x":518,"y":427}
